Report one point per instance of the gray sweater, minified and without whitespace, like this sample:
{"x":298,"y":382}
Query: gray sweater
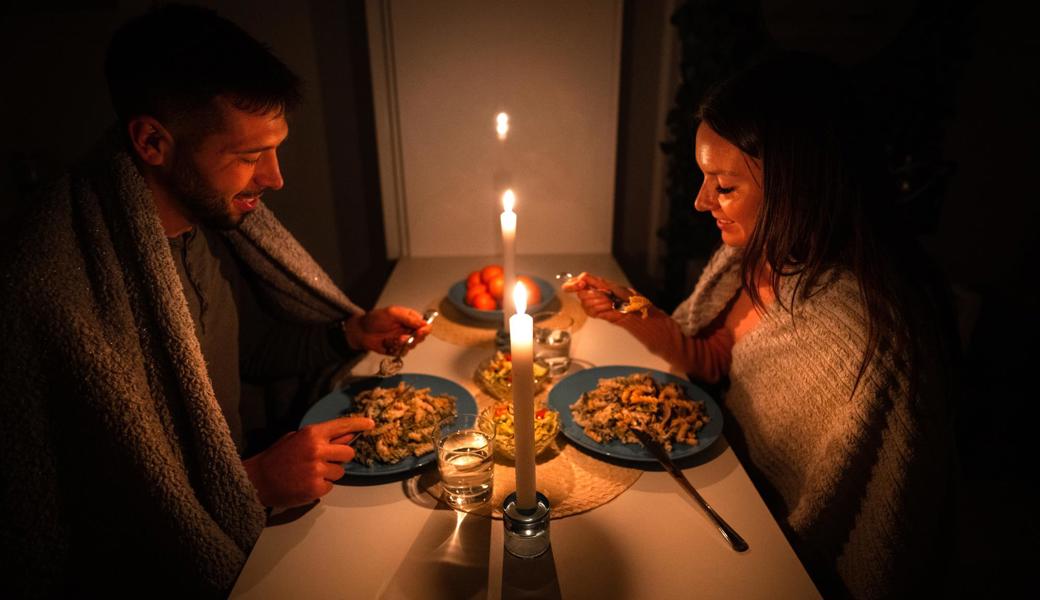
{"x":119,"y":471}
{"x":856,"y":478}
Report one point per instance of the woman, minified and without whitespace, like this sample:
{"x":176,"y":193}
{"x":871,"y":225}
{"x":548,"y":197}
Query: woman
{"x":816,"y":312}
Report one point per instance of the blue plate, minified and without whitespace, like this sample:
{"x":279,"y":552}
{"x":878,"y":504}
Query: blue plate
{"x":457,"y":296}
{"x":569,"y":389}
{"x":338,"y":404}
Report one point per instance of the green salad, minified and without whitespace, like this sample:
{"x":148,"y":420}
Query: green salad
{"x":546,"y":426}
{"x":496,"y":375}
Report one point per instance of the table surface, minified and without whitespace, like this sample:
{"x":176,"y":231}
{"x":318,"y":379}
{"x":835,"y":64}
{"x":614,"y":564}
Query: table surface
{"x":388,"y":539}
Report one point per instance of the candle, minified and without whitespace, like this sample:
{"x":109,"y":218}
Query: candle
{"x":521,"y":346}
{"x":508,"y":222}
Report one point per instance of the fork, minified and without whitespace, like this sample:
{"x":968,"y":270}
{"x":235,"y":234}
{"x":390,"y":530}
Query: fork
{"x":616,"y":302}
{"x":392,"y":365}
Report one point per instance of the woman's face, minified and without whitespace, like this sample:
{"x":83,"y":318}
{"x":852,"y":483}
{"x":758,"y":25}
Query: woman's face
{"x":732,"y":189}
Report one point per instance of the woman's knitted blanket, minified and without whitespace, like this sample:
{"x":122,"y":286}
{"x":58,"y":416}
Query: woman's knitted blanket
{"x":856,"y":478}
{"x":118,"y":466}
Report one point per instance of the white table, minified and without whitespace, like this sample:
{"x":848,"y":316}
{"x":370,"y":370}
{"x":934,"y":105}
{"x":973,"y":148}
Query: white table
{"x":389,"y":540}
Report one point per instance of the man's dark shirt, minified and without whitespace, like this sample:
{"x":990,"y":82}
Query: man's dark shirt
{"x":241,"y":341}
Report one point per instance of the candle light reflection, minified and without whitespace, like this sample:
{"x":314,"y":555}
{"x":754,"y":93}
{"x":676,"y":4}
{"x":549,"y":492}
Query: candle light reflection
{"x":502,"y":125}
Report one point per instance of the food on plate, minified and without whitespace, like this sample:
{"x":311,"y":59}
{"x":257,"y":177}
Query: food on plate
{"x":546,"y":426}
{"x":490,"y":280}
{"x":619,"y":404}
{"x":405,"y":419}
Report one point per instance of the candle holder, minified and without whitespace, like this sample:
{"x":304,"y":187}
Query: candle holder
{"x":502,"y":343}
{"x":526,"y":531}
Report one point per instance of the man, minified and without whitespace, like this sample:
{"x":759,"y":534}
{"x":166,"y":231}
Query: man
{"x":138,"y":297}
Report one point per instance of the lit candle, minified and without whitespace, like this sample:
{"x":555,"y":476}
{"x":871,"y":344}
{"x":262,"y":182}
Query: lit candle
{"x":508,"y":221}
{"x":521,"y":342}
{"x":502,"y":125}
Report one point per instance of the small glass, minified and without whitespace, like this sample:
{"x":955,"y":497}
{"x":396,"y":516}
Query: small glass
{"x":552,"y":341}
{"x":465,"y":459}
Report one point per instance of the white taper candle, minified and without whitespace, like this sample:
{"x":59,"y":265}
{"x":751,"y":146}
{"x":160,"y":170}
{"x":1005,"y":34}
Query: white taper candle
{"x":521,"y":339}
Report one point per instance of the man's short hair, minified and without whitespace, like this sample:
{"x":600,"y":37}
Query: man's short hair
{"x":173,"y":61}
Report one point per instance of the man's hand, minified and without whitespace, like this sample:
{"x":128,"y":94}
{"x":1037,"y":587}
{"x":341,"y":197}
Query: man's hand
{"x":386,"y":330}
{"x":302,"y":465}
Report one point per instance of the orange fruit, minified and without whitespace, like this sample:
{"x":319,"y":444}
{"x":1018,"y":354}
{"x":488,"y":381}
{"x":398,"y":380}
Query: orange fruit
{"x":534,"y":293}
{"x":473,"y":279}
{"x":490,"y":271}
{"x":474,"y":291}
{"x":484,"y":301}
{"x":496,"y":286}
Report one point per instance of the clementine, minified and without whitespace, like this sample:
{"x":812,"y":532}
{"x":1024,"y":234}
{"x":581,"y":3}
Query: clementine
{"x":534,"y":293}
{"x":490,"y":271}
{"x":496,"y":287}
{"x":484,"y":301}
{"x":474,"y":291}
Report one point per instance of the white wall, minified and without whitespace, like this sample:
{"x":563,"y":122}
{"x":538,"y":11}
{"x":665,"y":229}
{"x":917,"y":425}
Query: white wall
{"x":442,"y":70}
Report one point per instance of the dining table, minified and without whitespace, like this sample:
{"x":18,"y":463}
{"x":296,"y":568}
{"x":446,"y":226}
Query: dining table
{"x":391,"y":537}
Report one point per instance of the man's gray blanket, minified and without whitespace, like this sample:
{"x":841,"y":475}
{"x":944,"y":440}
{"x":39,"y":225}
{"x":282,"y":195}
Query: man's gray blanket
{"x":114,"y":450}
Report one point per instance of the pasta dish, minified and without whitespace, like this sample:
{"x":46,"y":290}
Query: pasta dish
{"x":637,"y":401}
{"x":405,"y":418}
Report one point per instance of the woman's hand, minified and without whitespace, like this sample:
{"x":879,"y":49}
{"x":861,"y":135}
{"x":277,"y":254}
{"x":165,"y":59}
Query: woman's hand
{"x":592,"y":292}
{"x":386,"y":330}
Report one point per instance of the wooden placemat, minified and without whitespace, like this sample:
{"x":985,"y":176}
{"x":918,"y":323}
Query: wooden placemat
{"x":455,"y":327}
{"x":573,"y":481}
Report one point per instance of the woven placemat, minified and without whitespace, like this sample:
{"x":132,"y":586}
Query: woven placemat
{"x":455,"y":327}
{"x":573,"y":481}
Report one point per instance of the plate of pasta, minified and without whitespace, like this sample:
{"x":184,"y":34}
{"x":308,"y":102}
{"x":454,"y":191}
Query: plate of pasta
{"x":405,"y":408}
{"x":599,"y":406}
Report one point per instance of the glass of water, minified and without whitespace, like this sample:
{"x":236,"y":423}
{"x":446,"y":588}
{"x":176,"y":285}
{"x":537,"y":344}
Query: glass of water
{"x":465,"y":458}
{"x":552,"y":341}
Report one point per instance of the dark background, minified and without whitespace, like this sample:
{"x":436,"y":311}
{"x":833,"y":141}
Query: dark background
{"x":969,"y":84}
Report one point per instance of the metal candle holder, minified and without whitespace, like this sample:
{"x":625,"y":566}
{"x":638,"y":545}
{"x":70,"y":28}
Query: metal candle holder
{"x":502,"y":340}
{"x":526,"y":531}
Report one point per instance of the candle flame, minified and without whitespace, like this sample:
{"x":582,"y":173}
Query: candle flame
{"x":520,"y":298}
{"x":502,"y":125}
{"x":508,"y":200}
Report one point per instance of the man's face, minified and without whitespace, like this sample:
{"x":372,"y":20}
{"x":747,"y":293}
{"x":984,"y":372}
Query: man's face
{"x":219,"y":177}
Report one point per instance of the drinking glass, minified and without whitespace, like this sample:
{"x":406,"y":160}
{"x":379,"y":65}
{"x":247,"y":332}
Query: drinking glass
{"x":465,"y":451}
{"x":552,"y":341}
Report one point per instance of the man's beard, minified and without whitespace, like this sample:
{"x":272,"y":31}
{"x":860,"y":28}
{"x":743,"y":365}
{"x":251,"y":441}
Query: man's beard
{"x":203,"y":204}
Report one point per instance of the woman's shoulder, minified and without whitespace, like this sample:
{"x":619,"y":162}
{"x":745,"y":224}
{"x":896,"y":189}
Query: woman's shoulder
{"x":718,"y":283}
{"x":831,"y":312}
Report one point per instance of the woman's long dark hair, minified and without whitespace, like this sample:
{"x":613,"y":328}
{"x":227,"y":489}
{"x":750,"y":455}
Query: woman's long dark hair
{"x":828,"y":199}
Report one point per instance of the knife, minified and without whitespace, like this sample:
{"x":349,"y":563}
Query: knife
{"x":657,"y":450}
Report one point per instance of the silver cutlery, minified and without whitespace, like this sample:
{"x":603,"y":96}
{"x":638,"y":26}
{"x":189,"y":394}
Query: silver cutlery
{"x":657,"y":450}
{"x":616,"y":302}
{"x":391,"y":365}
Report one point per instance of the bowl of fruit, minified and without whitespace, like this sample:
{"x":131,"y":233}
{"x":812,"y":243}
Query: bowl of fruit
{"x":479,"y":296}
